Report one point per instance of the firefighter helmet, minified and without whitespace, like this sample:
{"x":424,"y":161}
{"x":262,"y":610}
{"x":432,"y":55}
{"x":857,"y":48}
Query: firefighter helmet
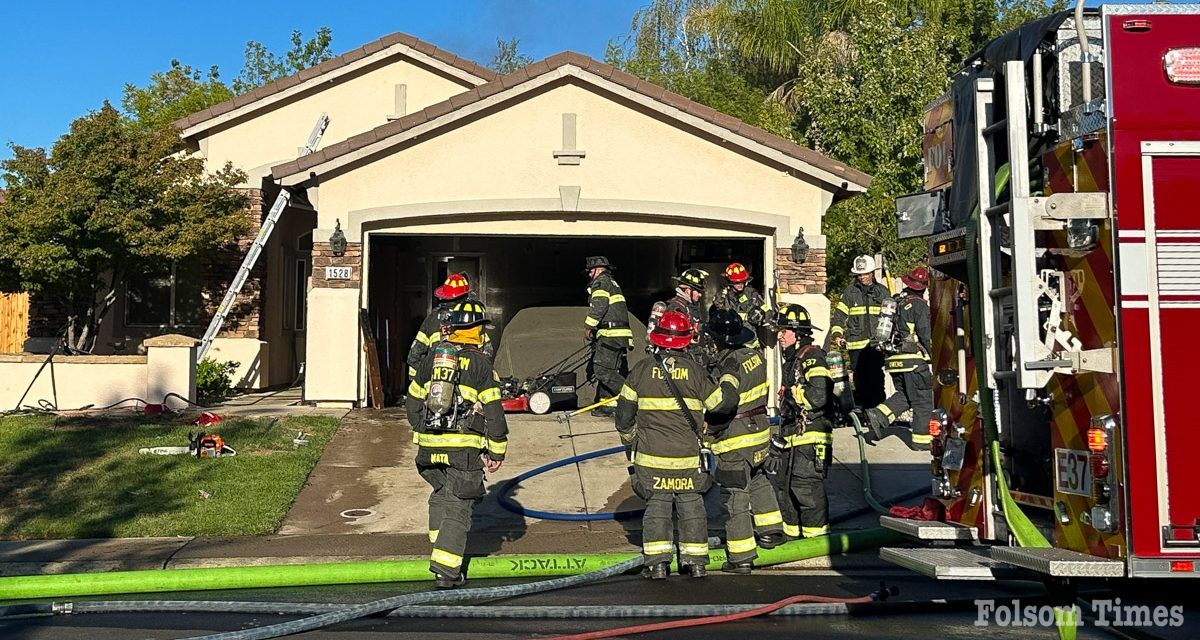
{"x":863,"y":264}
{"x":467,"y":313}
{"x":737,"y":272}
{"x":794,"y":317}
{"x":917,"y":279}
{"x":596,"y":261}
{"x":455,"y":287}
{"x":692,"y":278}
{"x":727,"y":326}
{"x":672,"y":331}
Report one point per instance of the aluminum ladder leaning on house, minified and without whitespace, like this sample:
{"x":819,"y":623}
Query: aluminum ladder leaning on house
{"x":264,"y":234}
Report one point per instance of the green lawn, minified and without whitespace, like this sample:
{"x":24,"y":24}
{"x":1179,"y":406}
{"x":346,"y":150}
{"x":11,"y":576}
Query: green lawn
{"x":84,"y":478}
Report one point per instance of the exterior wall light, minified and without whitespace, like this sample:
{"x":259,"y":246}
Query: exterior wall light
{"x":799,"y":248}
{"x":337,"y":240}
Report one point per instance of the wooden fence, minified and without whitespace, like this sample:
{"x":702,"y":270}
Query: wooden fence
{"x":14,"y":321}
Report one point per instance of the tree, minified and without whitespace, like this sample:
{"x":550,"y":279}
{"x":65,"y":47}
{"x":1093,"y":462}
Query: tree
{"x":508,"y":57}
{"x":262,"y":66}
{"x":110,"y":199}
{"x":173,"y":94}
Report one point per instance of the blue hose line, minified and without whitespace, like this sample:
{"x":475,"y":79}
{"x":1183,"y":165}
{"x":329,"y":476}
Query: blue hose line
{"x":552,"y":515}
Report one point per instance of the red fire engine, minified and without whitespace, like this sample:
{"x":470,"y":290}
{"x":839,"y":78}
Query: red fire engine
{"x":1062,"y":177}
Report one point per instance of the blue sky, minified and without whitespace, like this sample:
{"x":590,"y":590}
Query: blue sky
{"x":60,"y":60}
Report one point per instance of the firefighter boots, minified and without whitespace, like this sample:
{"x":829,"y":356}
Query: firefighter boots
{"x":771,"y":540}
{"x":446,"y":582}
{"x":876,"y":422}
{"x":740,"y":568}
{"x":695,"y":570}
{"x":656,"y":571}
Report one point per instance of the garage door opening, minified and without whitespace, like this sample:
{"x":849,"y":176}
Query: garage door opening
{"x":512,"y":273}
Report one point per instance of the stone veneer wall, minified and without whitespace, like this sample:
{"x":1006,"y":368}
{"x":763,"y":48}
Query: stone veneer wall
{"x":806,"y":277}
{"x":322,"y":256}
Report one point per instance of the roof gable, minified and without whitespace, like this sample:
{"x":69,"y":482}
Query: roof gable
{"x":467,"y":72}
{"x":838,"y":176}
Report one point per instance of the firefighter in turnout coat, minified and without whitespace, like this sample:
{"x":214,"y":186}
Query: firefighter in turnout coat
{"x":741,"y":296}
{"x":739,"y":434}
{"x":688,"y":300}
{"x":909,"y":365}
{"x":804,"y":445}
{"x":853,"y":323}
{"x":659,"y":417}
{"x":607,"y":328}
{"x":454,"y":290}
{"x":458,"y":425}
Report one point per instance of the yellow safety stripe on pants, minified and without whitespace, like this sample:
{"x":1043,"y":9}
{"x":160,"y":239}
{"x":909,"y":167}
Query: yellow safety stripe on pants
{"x":922,"y":438}
{"x":668,"y":404}
{"x":433,"y":535}
{"x":488,"y":396}
{"x":497,"y":447}
{"x":753,"y":394}
{"x":768,"y":518}
{"x":662,"y":462}
{"x":791,"y":530}
{"x":628,"y":393}
{"x":446,"y":559}
{"x":855,"y":345}
{"x":729,"y":378}
{"x":417,"y":391}
{"x":591,"y":322}
{"x":811,"y":437}
{"x":816,"y":372}
{"x":425,"y":338}
{"x":657,"y":546}
{"x":714,"y":399}
{"x":887,"y":412}
{"x":812,"y":532}
{"x":755,"y":439}
{"x":616,"y":332}
{"x":740,"y":546}
{"x":449,"y":440}
{"x":693,"y":548}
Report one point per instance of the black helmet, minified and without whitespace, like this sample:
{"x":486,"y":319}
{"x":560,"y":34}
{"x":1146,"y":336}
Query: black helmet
{"x":596,"y":261}
{"x":467,"y":313}
{"x":794,"y":317}
{"x":726,"y":326}
{"x":693,"y":278}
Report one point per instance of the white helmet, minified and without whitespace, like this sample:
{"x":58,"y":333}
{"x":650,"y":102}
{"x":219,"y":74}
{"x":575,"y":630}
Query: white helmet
{"x":863,"y":264}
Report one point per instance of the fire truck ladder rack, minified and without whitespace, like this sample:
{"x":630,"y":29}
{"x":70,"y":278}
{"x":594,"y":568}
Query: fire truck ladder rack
{"x":260,"y":241}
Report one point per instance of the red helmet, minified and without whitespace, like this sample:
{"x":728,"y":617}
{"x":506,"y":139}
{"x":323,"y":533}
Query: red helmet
{"x":456,"y":286}
{"x":674,"y":330}
{"x":736,"y":273}
{"x":917,"y":280}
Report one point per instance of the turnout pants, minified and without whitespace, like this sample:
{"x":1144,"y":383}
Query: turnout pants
{"x":455,"y":492}
{"x":803,"y":500}
{"x":867,"y":364}
{"x":608,"y":367}
{"x":748,"y":500}
{"x":657,"y":529}
{"x":914,"y":390}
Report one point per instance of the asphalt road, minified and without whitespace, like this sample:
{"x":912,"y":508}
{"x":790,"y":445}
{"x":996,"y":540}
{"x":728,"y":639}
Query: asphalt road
{"x":909,"y":620}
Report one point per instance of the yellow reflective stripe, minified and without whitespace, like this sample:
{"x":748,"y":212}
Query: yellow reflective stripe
{"x":859,"y":311}
{"x":757,"y":438}
{"x":816,"y":372}
{"x":693,"y":548}
{"x":424,"y":338}
{"x":591,"y":322}
{"x":416,"y":437}
{"x":668,"y":404}
{"x":768,"y":518}
{"x":417,"y":391}
{"x":600,"y":293}
{"x":887,"y":413}
{"x":488,"y":396}
{"x":740,"y":546}
{"x":837,"y":330}
{"x":730,"y":379}
{"x":628,"y":393}
{"x":874,"y":310}
{"x":714,"y":399}
{"x":855,"y":345}
{"x":753,"y":394}
{"x":922,"y":438}
{"x":912,"y":327}
{"x":841,"y":306}
{"x":468,"y":393}
{"x":615,"y":298}
{"x":812,"y":437}
{"x":446,"y":559}
{"x":661,"y":462}
{"x":433,"y":535}
{"x":657,"y":546}
{"x":812,"y":532}
{"x":412,"y":372}
{"x":616,"y":332}
{"x":449,"y":440}
{"x":497,"y":447}
{"x":791,"y":530}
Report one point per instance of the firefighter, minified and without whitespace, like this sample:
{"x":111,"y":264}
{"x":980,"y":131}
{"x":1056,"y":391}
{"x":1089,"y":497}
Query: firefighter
{"x":909,"y":364}
{"x":739,"y":435}
{"x":742,"y":297}
{"x":853,"y":325}
{"x":458,"y":425}
{"x":688,"y":300}
{"x":607,"y":328}
{"x":803,"y":449}
{"x":659,"y":414}
{"x":454,"y":290}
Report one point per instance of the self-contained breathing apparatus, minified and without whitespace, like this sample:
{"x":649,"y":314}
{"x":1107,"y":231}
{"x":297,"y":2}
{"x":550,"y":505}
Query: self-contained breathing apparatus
{"x":445,"y":408}
{"x":886,"y":328}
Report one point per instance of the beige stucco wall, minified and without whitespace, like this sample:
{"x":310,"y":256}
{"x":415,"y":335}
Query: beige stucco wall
{"x":355,"y":103}
{"x":331,"y":374}
{"x":253,"y":357}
